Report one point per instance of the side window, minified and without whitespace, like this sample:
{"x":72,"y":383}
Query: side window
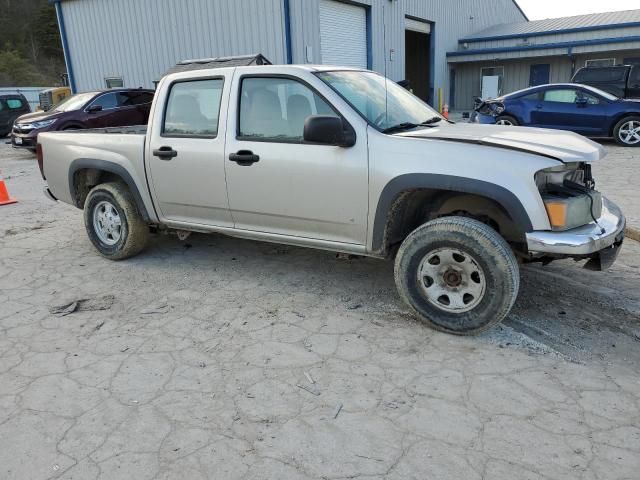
{"x":14,"y":103}
{"x":532,"y":96}
{"x":1,"y":105}
{"x":561,"y":96}
{"x":276,"y":108}
{"x":634,"y":76}
{"x":591,"y":99}
{"x":107,"y":101}
{"x":193,"y":109}
{"x":128,"y":99}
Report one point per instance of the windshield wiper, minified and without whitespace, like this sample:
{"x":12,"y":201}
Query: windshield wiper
{"x":431,"y":121}
{"x":399,"y":127}
{"x":408,"y":125}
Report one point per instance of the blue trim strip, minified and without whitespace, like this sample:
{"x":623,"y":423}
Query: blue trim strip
{"x":65,"y":46}
{"x":370,"y":39}
{"x":591,"y":28}
{"x":545,"y":46}
{"x":287,"y":32}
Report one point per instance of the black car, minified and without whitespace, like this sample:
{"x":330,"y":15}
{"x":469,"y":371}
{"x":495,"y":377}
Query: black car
{"x":11,"y":107}
{"x":623,"y":81}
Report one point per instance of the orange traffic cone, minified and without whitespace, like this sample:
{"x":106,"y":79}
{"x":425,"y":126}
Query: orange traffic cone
{"x":445,"y":111}
{"x":5,"y":199}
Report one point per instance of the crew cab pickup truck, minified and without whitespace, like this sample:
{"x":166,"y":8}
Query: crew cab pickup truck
{"x":344,"y":160}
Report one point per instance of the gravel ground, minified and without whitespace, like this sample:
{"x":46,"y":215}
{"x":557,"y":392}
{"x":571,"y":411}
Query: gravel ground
{"x":224,"y":358}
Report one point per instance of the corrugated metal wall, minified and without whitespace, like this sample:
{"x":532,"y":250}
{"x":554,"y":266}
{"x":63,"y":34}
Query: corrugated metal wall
{"x":140,"y":39}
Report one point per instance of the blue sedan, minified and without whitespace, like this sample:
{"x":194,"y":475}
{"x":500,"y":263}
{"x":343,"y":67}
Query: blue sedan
{"x":567,"y":106}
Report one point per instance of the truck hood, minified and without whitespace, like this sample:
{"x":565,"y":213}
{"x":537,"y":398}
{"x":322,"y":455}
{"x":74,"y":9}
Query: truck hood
{"x":557,"y":144}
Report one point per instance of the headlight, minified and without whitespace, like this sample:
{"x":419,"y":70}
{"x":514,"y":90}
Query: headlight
{"x":568,"y":195}
{"x":43,"y":123}
{"x":498,"y":108}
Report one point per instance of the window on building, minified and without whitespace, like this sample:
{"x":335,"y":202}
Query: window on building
{"x":14,"y":103}
{"x":114,"y":82}
{"x":276,"y":108}
{"x":600,"y":62}
{"x":564,"y":95}
{"x":193,"y":108}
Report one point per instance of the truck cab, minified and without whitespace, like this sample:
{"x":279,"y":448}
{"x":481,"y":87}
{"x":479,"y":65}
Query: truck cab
{"x":623,"y":81}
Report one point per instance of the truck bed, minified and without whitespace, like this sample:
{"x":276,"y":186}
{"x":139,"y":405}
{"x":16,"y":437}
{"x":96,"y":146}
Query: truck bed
{"x":131,"y":130}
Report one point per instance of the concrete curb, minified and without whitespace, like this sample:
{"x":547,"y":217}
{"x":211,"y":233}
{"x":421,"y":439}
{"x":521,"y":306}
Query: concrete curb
{"x":633,"y":233}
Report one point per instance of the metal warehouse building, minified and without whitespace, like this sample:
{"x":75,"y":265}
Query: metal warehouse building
{"x":132,"y":42}
{"x":505,"y":58}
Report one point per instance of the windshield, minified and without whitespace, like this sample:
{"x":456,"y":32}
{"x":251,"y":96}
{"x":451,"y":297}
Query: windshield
{"x":382,"y":102}
{"x":74,"y":102}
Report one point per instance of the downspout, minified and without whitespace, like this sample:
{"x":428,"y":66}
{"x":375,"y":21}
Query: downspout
{"x":287,"y":32}
{"x":65,"y":46}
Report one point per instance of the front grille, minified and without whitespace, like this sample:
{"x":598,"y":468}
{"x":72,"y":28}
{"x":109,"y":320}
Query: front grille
{"x":21,"y":131}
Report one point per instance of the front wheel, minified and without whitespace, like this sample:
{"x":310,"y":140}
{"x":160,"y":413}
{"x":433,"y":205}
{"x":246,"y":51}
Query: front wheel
{"x":458,"y":274}
{"x":113,"y":223}
{"x":507,"y":120}
{"x":627,"y":132}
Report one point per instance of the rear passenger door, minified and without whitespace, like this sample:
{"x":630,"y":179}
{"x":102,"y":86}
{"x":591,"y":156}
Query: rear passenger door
{"x":185,"y":150}
{"x":294,"y":188}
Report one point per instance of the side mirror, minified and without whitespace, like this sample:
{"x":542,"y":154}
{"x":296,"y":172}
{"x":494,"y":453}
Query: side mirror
{"x":328,"y":130}
{"x":94,"y":108}
{"x":582,"y":102}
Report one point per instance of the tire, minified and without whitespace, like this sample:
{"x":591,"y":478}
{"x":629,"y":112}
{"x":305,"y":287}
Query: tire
{"x":476,"y":272}
{"x":507,"y":120}
{"x":627,"y":124}
{"x":107,"y":206}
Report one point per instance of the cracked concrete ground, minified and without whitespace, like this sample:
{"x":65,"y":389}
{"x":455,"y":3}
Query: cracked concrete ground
{"x":193,"y":370}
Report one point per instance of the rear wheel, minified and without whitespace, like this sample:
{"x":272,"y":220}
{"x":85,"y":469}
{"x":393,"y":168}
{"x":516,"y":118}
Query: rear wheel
{"x":113,"y":223}
{"x":458,"y":274}
{"x":627,"y":132}
{"x":507,"y":120}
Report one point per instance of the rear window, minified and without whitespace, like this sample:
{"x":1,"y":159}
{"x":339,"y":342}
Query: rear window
{"x":127,"y":99}
{"x":600,"y":75}
{"x":14,"y":103}
{"x":193,"y":108}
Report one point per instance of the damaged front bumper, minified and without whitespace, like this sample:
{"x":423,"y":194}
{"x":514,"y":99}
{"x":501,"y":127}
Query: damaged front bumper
{"x":587,"y":242}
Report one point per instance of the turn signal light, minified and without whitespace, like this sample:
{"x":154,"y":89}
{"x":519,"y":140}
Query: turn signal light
{"x":557,"y":212}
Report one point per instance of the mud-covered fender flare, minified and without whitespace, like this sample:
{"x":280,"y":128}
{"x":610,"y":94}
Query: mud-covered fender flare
{"x":119,"y":170}
{"x":415,"y":181}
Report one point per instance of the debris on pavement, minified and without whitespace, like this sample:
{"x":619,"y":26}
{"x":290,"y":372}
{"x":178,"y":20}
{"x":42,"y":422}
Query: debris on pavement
{"x":103,"y":302}
{"x":161,"y":308}
{"x":337,"y":410}
{"x":309,"y":388}
{"x":309,"y":377}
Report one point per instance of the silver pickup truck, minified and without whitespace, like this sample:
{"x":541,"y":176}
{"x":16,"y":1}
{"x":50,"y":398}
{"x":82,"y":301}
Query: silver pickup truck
{"x":344,"y":160}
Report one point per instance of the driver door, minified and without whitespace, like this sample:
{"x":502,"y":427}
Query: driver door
{"x":292,"y":188}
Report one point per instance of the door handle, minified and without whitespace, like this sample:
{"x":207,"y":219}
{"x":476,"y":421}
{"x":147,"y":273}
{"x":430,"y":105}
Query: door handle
{"x":244,"y":158}
{"x":165,"y":153}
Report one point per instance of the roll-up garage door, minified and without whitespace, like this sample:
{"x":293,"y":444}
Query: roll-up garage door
{"x":343,"y":34}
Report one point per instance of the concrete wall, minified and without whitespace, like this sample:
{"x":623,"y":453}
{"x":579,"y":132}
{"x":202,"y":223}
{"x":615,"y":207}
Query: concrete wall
{"x":140,"y":39}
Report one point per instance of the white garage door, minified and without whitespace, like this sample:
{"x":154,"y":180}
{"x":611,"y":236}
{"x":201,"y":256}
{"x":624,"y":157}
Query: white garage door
{"x":343,"y":34}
